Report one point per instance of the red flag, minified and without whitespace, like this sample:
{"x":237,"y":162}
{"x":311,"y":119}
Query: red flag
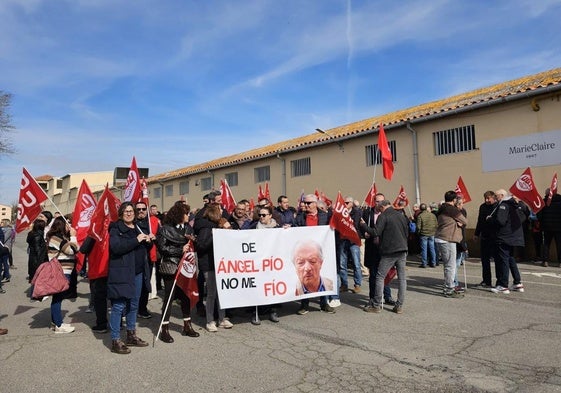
{"x":387,"y":164}
{"x":342,"y":222}
{"x":390,"y":276}
{"x":327,"y":201}
{"x":552,"y":189}
{"x":401,"y":197}
{"x":186,"y":276}
{"x":106,"y":211}
{"x":251,"y":206}
{"x":525,"y":189}
{"x":370,"y":199}
{"x":267,"y":193}
{"x":260,"y":194}
{"x":462,"y":191}
{"x":228,"y":201}
{"x":31,"y":195}
{"x":132,"y":191}
{"x":81,"y":217}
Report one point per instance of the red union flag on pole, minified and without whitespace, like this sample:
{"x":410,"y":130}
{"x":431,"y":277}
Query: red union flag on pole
{"x":525,"y":189}
{"x":81,"y":217}
{"x":552,"y":189}
{"x":132,"y":186}
{"x":106,"y":211}
{"x":401,"y":197}
{"x":186,"y":276}
{"x":342,"y":222}
{"x":228,"y":201}
{"x":370,"y":199}
{"x":462,"y":191}
{"x":387,"y":159}
{"x":31,"y":195}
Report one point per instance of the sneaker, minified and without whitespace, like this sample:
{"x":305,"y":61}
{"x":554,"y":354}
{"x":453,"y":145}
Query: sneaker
{"x":517,"y":287}
{"x":328,"y":309}
{"x":499,"y":289}
{"x":144,"y":315}
{"x":459,"y":289}
{"x":211,"y":327}
{"x":544,"y":264}
{"x":255,"y":320}
{"x":274,"y":317}
{"x":225,"y":324}
{"x":398,"y":309}
{"x":303,"y":311}
{"x":89,"y":310}
{"x":389,"y":302}
{"x":64,"y":328}
{"x":452,"y":294}
{"x":45,"y":298}
{"x":371,"y":308}
{"x":99,"y":329}
{"x":422,"y":266}
{"x":334,"y":303}
{"x":2,"y":290}
{"x":343,"y":288}
{"x":5,"y":280}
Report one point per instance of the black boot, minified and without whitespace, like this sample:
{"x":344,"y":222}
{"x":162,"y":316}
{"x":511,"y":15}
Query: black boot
{"x":164,"y":334}
{"x":134,"y":341}
{"x":188,"y":329}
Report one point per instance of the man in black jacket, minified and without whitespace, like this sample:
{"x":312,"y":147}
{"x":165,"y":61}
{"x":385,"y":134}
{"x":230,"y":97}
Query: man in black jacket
{"x":485,"y":232}
{"x":550,"y":223}
{"x":393,"y":229}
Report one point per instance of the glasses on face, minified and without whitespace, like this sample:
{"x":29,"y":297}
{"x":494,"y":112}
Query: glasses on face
{"x":141,"y":209}
{"x":308,"y":202}
{"x":347,"y":202}
{"x":262,"y":205}
{"x":263,"y":215}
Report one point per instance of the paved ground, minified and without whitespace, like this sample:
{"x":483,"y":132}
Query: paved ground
{"x":481,"y":343}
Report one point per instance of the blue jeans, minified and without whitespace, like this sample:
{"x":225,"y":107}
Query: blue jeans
{"x":387,"y":261}
{"x":427,"y":246}
{"x":56,"y":305}
{"x":5,"y":266}
{"x":355,"y":254}
{"x":129,"y":307}
{"x":447,"y":253}
{"x":460,"y":257}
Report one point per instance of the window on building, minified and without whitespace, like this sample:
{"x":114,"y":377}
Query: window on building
{"x":158,"y":192}
{"x":206,"y":183}
{"x":169,"y":190}
{"x":262,"y":174}
{"x":183,"y":187}
{"x":373,"y":155}
{"x":301,"y":167}
{"x":59,"y":183}
{"x":454,"y":140}
{"x":232,"y":179}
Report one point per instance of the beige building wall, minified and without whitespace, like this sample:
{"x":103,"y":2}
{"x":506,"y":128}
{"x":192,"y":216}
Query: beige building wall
{"x":5,"y":213}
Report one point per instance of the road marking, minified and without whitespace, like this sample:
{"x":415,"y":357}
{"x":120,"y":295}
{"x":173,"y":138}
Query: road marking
{"x":553,"y":275}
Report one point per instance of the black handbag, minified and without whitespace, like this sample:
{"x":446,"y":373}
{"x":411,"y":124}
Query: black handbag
{"x":168,"y":266}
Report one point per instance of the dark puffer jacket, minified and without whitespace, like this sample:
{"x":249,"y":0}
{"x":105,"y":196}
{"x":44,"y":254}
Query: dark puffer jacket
{"x":170,"y":241}
{"x":507,"y":221}
{"x":550,"y":216}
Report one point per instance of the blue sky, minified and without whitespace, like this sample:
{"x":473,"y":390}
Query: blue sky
{"x":179,"y":82}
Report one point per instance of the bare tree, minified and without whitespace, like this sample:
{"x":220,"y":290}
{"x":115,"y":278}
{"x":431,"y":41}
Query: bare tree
{"x":6,"y":126}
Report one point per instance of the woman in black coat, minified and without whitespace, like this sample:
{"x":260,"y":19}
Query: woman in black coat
{"x":37,"y":248}
{"x":128,"y":264}
{"x":172,"y":241}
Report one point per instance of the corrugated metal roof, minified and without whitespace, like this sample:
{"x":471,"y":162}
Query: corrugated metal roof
{"x":416,"y":113}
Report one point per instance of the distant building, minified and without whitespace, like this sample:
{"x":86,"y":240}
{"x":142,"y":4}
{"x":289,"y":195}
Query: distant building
{"x":5,"y":213}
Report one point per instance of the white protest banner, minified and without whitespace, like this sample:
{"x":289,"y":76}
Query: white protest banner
{"x":267,"y":266}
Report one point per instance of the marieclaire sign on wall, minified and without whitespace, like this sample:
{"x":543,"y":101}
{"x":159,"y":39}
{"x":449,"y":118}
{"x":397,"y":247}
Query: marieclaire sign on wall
{"x":540,"y":149}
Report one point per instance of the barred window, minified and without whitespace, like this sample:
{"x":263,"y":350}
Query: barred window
{"x":262,"y":174}
{"x":158,"y":192}
{"x":454,"y":140}
{"x":301,"y":167}
{"x":184,"y":187}
{"x":206,"y":183}
{"x":374,"y":155}
{"x":169,"y":190}
{"x":232,"y":179}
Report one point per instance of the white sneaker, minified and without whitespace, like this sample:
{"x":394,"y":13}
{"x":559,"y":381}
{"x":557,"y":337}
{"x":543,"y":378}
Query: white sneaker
{"x":64,"y":328}
{"x":334,"y":303}
{"x":517,"y":287}
{"x":211,"y":327}
{"x":499,"y":289}
{"x":226,"y":324}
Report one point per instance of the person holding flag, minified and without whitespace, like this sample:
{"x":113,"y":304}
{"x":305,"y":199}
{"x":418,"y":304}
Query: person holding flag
{"x":127,"y":263}
{"x":172,"y":242}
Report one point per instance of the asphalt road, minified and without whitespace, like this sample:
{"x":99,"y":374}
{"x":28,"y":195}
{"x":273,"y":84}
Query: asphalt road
{"x":481,"y":343}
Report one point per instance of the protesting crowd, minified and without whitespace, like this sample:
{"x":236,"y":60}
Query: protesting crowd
{"x":143,"y":253}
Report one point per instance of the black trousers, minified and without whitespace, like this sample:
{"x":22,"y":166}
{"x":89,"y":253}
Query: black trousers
{"x":98,"y":290}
